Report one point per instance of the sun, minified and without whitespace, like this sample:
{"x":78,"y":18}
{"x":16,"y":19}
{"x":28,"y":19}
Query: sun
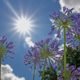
{"x":23,"y":25}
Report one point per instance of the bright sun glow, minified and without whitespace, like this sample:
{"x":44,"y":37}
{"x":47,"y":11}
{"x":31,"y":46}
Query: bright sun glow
{"x":23,"y":25}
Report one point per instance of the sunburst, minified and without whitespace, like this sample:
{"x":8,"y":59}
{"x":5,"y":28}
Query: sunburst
{"x":23,"y":25}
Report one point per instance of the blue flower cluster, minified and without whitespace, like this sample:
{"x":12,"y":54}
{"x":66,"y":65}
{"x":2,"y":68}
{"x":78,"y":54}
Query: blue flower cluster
{"x":49,"y":51}
{"x":6,"y":47}
{"x":44,"y":51}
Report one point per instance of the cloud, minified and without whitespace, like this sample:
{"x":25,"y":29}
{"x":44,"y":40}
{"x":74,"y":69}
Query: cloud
{"x":7,"y":73}
{"x":70,"y":4}
{"x":29,"y":42}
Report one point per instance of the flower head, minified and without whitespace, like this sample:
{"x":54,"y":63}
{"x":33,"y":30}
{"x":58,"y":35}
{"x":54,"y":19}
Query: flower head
{"x":32,"y":57}
{"x":5,"y":47}
{"x":72,"y":73}
{"x":43,"y":51}
{"x":61,"y":19}
{"x":69,"y":20}
{"x":73,"y":35}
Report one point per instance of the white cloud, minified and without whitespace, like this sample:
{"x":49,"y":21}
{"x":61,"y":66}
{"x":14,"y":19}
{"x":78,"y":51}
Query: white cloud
{"x":7,"y":73}
{"x":70,"y":4}
{"x":29,"y":42}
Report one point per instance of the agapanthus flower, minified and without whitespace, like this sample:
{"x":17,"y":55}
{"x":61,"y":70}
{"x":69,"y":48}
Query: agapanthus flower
{"x":72,"y":73}
{"x":69,"y":20}
{"x":32,"y":57}
{"x":73,"y":34}
{"x":44,"y":51}
{"x":6,"y":48}
{"x":75,"y":30}
{"x":61,"y":19}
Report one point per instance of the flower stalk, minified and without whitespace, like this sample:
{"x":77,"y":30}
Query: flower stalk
{"x":65,"y":50}
{"x":34,"y":72}
{"x":43,"y":73}
{"x":0,"y":67}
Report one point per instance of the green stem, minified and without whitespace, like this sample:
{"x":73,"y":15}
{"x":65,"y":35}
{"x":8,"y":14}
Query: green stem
{"x":0,"y":68}
{"x":43,"y":73}
{"x":34,"y":72}
{"x":64,"y":53}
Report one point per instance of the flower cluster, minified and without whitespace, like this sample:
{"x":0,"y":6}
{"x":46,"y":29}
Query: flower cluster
{"x":69,"y":20}
{"x":45,"y":51}
{"x":72,"y":73}
{"x":5,"y":47}
{"x":68,"y":23}
{"x":61,"y":20}
{"x":48,"y":52}
{"x":73,"y":34}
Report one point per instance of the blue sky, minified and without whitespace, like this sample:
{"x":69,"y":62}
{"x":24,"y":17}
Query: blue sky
{"x":40,"y":9}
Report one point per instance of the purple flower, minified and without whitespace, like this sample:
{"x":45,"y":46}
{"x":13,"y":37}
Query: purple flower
{"x":32,"y":58}
{"x":60,"y":20}
{"x":67,"y":11}
{"x":69,"y":20}
{"x":6,"y":47}
{"x":76,"y":27}
{"x":74,"y":33}
{"x":73,"y":73}
{"x":44,"y":51}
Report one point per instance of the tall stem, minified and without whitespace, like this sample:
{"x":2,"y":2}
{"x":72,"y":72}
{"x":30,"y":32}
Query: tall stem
{"x":34,"y":72}
{"x":43,"y":73}
{"x":65,"y":53}
{"x":0,"y":68}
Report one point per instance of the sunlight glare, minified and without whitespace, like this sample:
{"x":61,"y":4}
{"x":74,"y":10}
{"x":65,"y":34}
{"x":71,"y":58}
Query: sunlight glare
{"x":23,"y":25}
